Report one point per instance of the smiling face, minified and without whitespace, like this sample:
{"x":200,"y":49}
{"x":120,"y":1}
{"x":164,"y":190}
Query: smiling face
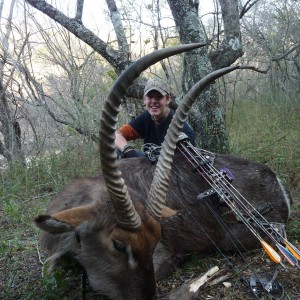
{"x":157,"y":105}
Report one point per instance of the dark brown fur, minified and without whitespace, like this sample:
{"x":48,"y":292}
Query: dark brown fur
{"x":194,"y":229}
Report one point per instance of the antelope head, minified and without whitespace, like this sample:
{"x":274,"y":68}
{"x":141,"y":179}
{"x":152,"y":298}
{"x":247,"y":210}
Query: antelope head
{"x":115,"y":233}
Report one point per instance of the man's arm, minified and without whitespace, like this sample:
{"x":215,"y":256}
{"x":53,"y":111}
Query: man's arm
{"x":120,"y":141}
{"x":126,"y":132}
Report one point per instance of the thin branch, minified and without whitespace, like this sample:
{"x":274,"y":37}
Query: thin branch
{"x":287,"y":53}
{"x":118,"y":26}
{"x":76,"y":28}
{"x":39,"y":255}
{"x":246,"y":8}
{"x":79,"y":10}
{"x":255,"y":69}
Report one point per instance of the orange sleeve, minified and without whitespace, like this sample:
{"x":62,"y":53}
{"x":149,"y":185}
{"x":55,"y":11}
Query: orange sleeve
{"x":129,"y":133}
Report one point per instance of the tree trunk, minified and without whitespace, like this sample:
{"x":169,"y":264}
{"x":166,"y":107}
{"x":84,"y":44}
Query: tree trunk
{"x":10,"y":146}
{"x":230,"y":48}
{"x":206,"y":117}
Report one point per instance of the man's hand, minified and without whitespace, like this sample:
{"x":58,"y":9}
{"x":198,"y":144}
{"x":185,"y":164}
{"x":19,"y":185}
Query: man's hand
{"x":182,"y":137}
{"x":129,"y":152}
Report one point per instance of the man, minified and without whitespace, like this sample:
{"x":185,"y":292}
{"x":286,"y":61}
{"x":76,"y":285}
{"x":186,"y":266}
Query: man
{"x":152,"y":124}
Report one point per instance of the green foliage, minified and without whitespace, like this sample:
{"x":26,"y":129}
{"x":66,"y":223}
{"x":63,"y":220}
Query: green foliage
{"x":46,"y":175}
{"x":71,"y":130}
{"x":25,"y":192}
{"x":293,"y":230}
{"x":268,"y":132}
{"x":112,"y":74}
{"x":54,"y":286}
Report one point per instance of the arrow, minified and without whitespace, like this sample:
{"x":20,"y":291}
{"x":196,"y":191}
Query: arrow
{"x":288,"y":255}
{"x":292,"y":249}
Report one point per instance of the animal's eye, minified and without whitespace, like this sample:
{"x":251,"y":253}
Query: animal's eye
{"x":77,"y":235}
{"x":119,"y":246}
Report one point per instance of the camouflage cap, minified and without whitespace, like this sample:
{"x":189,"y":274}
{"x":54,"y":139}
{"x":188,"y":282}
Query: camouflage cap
{"x":157,"y":85}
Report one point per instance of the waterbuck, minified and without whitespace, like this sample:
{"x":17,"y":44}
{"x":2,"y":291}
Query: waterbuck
{"x":112,"y":223}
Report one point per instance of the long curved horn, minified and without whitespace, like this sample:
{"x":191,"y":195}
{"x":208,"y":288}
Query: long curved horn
{"x":161,"y":179}
{"x":127,"y":217}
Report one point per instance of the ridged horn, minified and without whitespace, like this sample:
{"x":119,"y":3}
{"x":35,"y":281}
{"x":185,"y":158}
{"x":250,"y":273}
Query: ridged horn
{"x":161,"y":179}
{"x":126,"y":215}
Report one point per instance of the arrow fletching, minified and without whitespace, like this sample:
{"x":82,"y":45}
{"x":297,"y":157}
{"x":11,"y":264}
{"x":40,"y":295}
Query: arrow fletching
{"x":271,"y":252}
{"x":288,"y":255}
{"x":292,"y":249}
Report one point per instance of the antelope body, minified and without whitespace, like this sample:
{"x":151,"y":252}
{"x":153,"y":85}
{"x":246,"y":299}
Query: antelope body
{"x":83,"y":223}
{"x":116,"y":224}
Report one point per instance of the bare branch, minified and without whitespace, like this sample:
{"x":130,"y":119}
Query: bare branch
{"x":247,"y":7}
{"x":78,"y":30}
{"x":255,"y":69}
{"x":118,"y":26}
{"x":79,"y":10}
{"x":287,"y":53}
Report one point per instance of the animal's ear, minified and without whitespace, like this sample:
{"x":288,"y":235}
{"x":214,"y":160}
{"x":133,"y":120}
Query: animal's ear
{"x":64,"y":221}
{"x":167,"y":212}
